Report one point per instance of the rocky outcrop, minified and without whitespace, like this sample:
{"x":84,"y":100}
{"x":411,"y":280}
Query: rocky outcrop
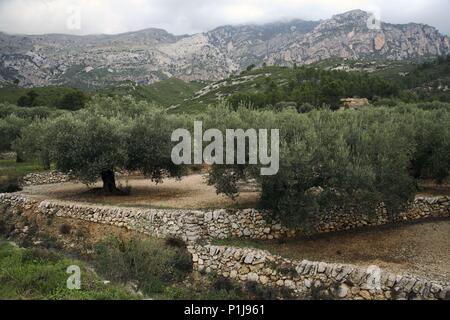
{"x":316,"y":280}
{"x":151,"y":55}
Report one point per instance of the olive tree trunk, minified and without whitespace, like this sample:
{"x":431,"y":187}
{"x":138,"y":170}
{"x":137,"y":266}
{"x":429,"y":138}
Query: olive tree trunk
{"x":109,"y":181}
{"x":46,"y":161}
{"x":19,"y":157}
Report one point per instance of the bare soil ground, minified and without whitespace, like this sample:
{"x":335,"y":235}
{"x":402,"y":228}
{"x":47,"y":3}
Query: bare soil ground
{"x":431,"y":188}
{"x":192,"y":192}
{"x":417,"y":248}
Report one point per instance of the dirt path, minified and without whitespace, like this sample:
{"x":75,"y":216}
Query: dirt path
{"x":192,"y":192}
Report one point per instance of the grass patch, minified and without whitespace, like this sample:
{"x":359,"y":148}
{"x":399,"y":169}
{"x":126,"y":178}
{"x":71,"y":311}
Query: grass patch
{"x":150,"y":264}
{"x":11,"y":168}
{"x":41,"y":274}
{"x":50,"y":96}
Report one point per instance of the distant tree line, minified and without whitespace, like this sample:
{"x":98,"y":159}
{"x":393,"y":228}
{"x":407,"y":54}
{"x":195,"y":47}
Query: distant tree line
{"x":317,"y":87}
{"x":311,"y":88}
{"x":70,"y":99}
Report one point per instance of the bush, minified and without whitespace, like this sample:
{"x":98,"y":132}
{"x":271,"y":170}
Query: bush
{"x":221,"y":283}
{"x":206,"y":291}
{"x":175,"y":242}
{"x":74,"y":100}
{"x":305,"y":108}
{"x":38,"y":274}
{"x":7,"y":110}
{"x":39,"y":255}
{"x":259,"y":292}
{"x":152,"y":265}
{"x":50,"y":242}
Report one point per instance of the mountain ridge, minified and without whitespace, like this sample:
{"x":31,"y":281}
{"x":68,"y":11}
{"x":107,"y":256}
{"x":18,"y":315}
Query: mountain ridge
{"x":153,"y":54}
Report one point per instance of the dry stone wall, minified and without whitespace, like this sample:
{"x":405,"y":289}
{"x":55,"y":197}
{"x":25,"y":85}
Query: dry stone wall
{"x":316,"y":280}
{"x":189,"y":225}
{"x":304,"y":278}
{"x":193,"y":225}
{"x":421,"y":208}
{"x":48,"y":177}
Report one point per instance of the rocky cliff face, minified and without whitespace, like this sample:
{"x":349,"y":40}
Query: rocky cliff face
{"x":151,"y":55}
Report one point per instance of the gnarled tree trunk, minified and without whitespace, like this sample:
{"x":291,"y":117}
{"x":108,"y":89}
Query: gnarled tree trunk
{"x":19,"y":157}
{"x":46,"y":161}
{"x":109,"y":181}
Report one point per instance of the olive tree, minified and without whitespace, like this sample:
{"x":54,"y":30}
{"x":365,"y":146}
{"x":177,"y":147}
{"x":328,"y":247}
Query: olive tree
{"x":35,"y":142}
{"x":96,"y":142}
{"x":431,"y":158}
{"x":88,"y":146}
{"x":10,"y":130}
{"x":148,"y":146}
{"x":343,"y":160}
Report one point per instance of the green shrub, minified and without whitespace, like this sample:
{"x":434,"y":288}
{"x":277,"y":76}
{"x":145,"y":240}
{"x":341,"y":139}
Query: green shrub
{"x":211,"y":287}
{"x":259,"y":292}
{"x":35,"y":274}
{"x":49,"y":241}
{"x":39,"y":255}
{"x":221,"y":283}
{"x":149,"y":263}
{"x":175,"y":242}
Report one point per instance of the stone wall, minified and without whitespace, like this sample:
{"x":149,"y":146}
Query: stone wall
{"x":7,"y":155}
{"x":306,"y":279}
{"x":47,"y":177}
{"x":193,"y":225}
{"x":314,"y":280}
{"x":189,"y":225}
{"x":421,"y":208}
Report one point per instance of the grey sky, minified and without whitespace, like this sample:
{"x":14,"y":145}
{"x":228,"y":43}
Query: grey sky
{"x":191,"y":16}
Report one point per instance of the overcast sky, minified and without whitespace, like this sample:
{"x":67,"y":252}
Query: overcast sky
{"x":191,"y":16}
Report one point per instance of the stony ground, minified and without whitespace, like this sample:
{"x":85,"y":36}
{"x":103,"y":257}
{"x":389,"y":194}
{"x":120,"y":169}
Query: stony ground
{"x":191,"y":192}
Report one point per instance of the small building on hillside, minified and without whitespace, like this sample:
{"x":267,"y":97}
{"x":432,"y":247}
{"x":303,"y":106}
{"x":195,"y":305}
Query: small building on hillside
{"x":354,"y":103}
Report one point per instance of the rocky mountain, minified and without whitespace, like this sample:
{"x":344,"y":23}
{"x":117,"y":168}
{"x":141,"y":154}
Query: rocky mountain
{"x":153,"y":54}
